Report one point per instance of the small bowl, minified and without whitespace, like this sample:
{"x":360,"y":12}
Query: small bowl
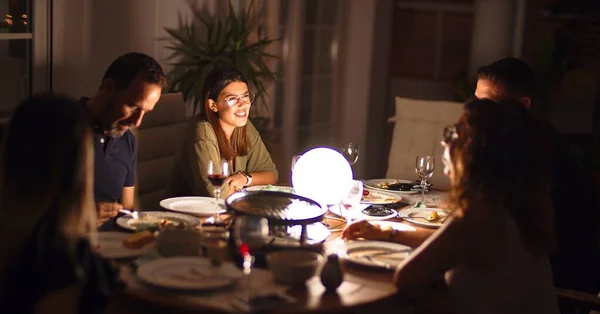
{"x":294,"y":266}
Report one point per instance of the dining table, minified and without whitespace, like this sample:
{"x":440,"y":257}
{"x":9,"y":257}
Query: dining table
{"x":363,"y":288}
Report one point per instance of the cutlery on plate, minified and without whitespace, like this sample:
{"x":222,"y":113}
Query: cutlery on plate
{"x":134,"y":214}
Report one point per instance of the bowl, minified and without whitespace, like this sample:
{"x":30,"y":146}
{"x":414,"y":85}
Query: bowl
{"x":293,"y":266}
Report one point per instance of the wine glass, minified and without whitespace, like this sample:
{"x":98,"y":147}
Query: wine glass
{"x":352,"y":199}
{"x":217,"y":173}
{"x":424,"y":166}
{"x":250,"y":232}
{"x":294,"y":161}
{"x":350,"y":151}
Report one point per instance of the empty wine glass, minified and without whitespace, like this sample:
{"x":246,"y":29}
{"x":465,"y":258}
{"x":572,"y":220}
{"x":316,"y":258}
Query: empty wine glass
{"x":352,"y":199}
{"x":424,"y":166}
{"x":293,"y":164}
{"x":217,"y":173}
{"x":350,"y":151}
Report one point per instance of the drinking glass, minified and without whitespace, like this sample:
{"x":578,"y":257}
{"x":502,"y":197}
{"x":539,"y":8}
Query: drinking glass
{"x":250,"y":232}
{"x":293,"y":164}
{"x":350,"y":151}
{"x":217,"y":173}
{"x":424,"y":166}
{"x":352,"y":199}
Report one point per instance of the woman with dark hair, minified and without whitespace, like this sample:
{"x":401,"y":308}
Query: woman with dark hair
{"x":222,"y":132}
{"x":494,"y":247}
{"x":47,"y":210}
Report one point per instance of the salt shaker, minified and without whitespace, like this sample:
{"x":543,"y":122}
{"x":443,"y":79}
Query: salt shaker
{"x":331,"y":274}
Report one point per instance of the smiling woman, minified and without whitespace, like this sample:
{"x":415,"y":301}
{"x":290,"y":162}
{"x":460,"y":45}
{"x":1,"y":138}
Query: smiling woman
{"x":222,"y":132}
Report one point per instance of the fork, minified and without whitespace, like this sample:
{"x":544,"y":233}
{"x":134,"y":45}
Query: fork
{"x":134,"y":214}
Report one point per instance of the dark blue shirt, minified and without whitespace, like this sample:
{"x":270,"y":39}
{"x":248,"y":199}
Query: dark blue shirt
{"x":114,"y":163}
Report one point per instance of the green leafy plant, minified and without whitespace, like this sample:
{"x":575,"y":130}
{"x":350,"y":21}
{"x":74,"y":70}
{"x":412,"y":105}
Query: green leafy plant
{"x":225,"y":41}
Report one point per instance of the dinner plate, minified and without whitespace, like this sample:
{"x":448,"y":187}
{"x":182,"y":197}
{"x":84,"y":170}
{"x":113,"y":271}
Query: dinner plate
{"x":412,"y":215}
{"x":356,"y":213}
{"x":380,"y":197}
{"x":188,"y":273}
{"x":375,"y":184}
{"x":277,"y":188}
{"x":194,"y":205}
{"x":129,"y":223}
{"x":376,"y":253}
{"x":109,"y":245}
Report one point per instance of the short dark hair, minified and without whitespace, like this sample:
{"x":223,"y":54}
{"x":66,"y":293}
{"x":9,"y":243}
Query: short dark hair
{"x":132,"y":65}
{"x":514,"y":74}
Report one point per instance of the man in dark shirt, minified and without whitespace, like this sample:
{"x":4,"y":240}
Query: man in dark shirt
{"x":130,"y":88}
{"x":575,"y":264}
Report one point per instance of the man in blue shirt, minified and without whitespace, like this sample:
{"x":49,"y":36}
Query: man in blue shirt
{"x":130,"y":88}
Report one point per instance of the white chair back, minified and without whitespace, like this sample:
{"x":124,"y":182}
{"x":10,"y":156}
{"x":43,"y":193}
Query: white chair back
{"x":418,"y":131}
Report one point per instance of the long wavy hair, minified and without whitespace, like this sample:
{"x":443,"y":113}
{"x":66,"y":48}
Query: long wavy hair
{"x":500,"y":160}
{"x":45,"y":179}
{"x":215,"y":82}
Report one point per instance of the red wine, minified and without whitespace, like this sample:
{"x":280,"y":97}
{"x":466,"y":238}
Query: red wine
{"x":217,"y":179}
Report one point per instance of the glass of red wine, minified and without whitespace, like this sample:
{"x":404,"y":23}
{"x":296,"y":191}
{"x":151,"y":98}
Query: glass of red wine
{"x":217,"y":173}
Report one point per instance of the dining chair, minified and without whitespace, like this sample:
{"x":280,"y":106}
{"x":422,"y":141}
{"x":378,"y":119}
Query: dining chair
{"x":418,"y":126}
{"x":158,"y":137}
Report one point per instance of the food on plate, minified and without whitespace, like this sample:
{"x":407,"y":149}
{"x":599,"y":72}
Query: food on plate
{"x":138,"y":239}
{"x":433,"y":215}
{"x":374,"y":197}
{"x":377,"y":211}
{"x":396,"y":186}
{"x":154,"y":223}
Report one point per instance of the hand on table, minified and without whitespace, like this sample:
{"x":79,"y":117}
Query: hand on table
{"x":107,"y":210}
{"x":236,"y":182}
{"x":364,"y":229}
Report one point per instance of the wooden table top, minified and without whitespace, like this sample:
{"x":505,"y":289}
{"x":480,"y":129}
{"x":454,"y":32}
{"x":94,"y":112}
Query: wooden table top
{"x":362,"y":289}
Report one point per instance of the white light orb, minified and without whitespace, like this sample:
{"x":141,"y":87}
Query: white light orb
{"x":322,"y":174}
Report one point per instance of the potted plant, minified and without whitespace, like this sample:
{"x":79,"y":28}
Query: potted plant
{"x":208,"y":41}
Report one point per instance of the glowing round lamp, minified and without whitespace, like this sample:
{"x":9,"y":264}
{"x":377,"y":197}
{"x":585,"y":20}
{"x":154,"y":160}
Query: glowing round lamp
{"x":322,"y":174}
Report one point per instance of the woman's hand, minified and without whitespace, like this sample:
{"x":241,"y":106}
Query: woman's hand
{"x":236,"y":182}
{"x":364,"y":229}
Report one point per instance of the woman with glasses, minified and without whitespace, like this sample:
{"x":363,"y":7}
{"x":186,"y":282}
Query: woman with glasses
{"x":222,"y":131}
{"x":493,"y":249}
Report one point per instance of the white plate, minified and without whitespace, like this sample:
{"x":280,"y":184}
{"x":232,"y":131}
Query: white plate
{"x":356,"y":213}
{"x":194,"y":205}
{"x":374,"y":184}
{"x":380,"y":197}
{"x":110,"y":245}
{"x":188,"y":273}
{"x":382,"y":254}
{"x":410,"y":214}
{"x":129,"y":223}
{"x":276,"y":188}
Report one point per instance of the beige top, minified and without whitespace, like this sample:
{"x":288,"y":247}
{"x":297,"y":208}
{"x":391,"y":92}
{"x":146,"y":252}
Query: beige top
{"x":519,"y":283}
{"x":199,"y":146}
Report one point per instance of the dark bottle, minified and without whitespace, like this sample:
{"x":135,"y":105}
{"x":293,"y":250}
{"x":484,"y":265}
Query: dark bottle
{"x":331,"y":274}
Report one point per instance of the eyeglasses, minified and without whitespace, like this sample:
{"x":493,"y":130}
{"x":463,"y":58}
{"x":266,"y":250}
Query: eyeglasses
{"x":240,"y":100}
{"x":450,"y":134}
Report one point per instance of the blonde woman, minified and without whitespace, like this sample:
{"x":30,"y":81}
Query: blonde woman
{"x":46,"y":209}
{"x":493,"y":250}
